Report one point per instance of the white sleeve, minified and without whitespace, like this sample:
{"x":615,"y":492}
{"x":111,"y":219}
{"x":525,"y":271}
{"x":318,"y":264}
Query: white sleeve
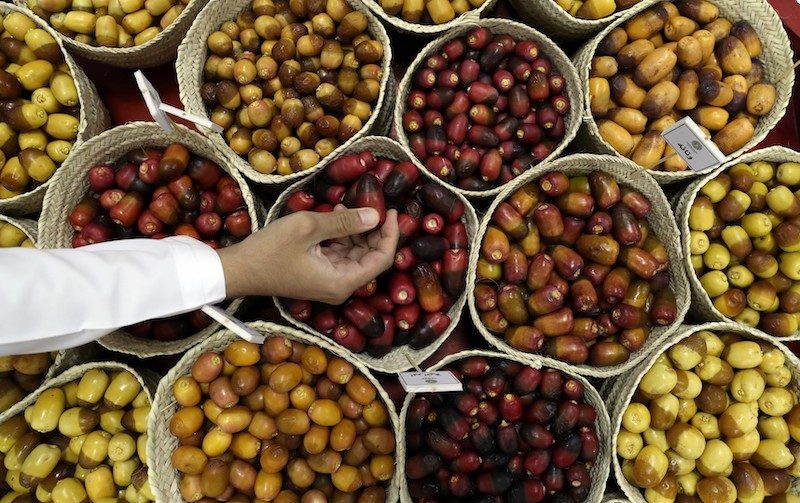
{"x":55,"y":299}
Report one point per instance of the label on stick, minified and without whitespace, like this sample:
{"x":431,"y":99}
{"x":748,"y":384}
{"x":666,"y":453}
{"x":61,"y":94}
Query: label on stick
{"x":159,"y":110}
{"x":235,"y":325}
{"x":690,"y":143}
{"x":430,"y":382}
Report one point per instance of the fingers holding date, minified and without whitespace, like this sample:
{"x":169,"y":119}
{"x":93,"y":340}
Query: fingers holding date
{"x":409,"y":304}
{"x":594,"y":281}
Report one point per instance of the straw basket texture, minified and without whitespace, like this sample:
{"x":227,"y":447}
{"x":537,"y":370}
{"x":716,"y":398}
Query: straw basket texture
{"x":702,"y":306}
{"x":93,"y":119}
{"x":70,"y":185}
{"x":520,"y":32}
{"x":396,"y":360}
{"x":549,"y":17}
{"x":662,"y":224}
{"x":428,"y":30}
{"x":623,"y":389}
{"x":191,"y":60}
{"x":161,"y":443}
{"x":601,"y":467}
{"x":29,"y":227}
{"x":62,"y":360}
{"x":776,"y":57}
{"x":155,"y":52}
{"x":69,"y":372}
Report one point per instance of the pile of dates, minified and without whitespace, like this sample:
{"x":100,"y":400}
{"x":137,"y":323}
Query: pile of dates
{"x":291,"y":81}
{"x":515,"y":434}
{"x":21,"y":374}
{"x":157,"y":193}
{"x":671,"y":61}
{"x":715,"y":419}
{"x":406,"y":305}
{"x":484,"y":109}
{"x":280,"y":422}
{"x":569,"y":267}
{"x":83,"y":441}
{"x":744,"y":241}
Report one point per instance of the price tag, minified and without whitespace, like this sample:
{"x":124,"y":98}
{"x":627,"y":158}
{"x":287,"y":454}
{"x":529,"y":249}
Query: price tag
{"x":430,"y":382}
{"x":235,"y":325}
{"x":690,"y":143}
{"x":159,"y":110}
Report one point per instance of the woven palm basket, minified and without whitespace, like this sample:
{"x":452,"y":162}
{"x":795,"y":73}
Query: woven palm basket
{"x":399,"y":359}
{"x":94,"y":119}
{"x":662,"y":224}
{"x":164,"y":478}
{"x":776,"y":56}
{"x":519,"y":31}
{"x":70,"y":186}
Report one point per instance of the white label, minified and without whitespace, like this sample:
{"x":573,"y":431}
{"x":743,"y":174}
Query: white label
{"x":153,"y":101}
{"x":689,"y":142}
{"x":430,"y":382}
{"x":159,"y":110}
{"x":235,"y":325}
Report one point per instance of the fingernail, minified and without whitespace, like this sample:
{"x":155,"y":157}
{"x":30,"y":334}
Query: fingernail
{"x":368,"y":216}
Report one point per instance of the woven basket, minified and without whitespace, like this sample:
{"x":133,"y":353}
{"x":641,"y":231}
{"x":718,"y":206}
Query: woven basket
{"x":624,"y":388}
{"x":191,"y":59}
{"x":161,"y":443}
{"x":549,"y":17}
{"x":602,"y":465}
{"x":70,"y":185}
{"x":396,"y":360}
{"x":155,"y":52}
{"x":147,"y":378}
{"x":428,"y":30}
{"x":519,"y":31}
{"x":662,"y":224}
{"x":776,"y":55}
{"x":94,"y":119}
{"x":702,"y":306}
{"x":62,"y":361}
{"x":29,"y":227}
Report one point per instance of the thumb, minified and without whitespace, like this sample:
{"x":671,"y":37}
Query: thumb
{"x":343,"y":223}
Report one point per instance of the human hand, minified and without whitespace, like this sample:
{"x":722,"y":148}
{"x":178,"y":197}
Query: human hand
{"x":287,"y":259}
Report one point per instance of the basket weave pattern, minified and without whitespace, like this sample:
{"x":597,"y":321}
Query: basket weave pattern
{"x":396,"y":360}
{"x":549,"y":17}
{"x":519,"y":31}
{"x":602,"y":465}
{"x":776,"y":56}
{"x":70,"y":185}
{"x":155,"y":52}
{"x":161,"y":443}
{"x":191,"y":60}
{"x":661,"y":222}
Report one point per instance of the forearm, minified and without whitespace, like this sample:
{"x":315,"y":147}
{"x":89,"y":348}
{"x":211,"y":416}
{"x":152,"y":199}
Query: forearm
{"x":96,"y":289}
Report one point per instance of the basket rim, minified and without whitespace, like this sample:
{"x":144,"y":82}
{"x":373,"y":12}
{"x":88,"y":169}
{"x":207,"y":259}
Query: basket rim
{"x":469,"y":218}
{"x":27,"y":226}
{"x":603,"y":416}
{"x":582,"y":60}
{"x":564,"y":16}
{"x":122,"y":51}
{"x":678,"y":281}
{"x":682,"y":216}
{"x":565,"y":67}
{"x":626,"y":387}
{"x":52,"y":217}
{"x":185,"y":64}
{"x":84,"y":127}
